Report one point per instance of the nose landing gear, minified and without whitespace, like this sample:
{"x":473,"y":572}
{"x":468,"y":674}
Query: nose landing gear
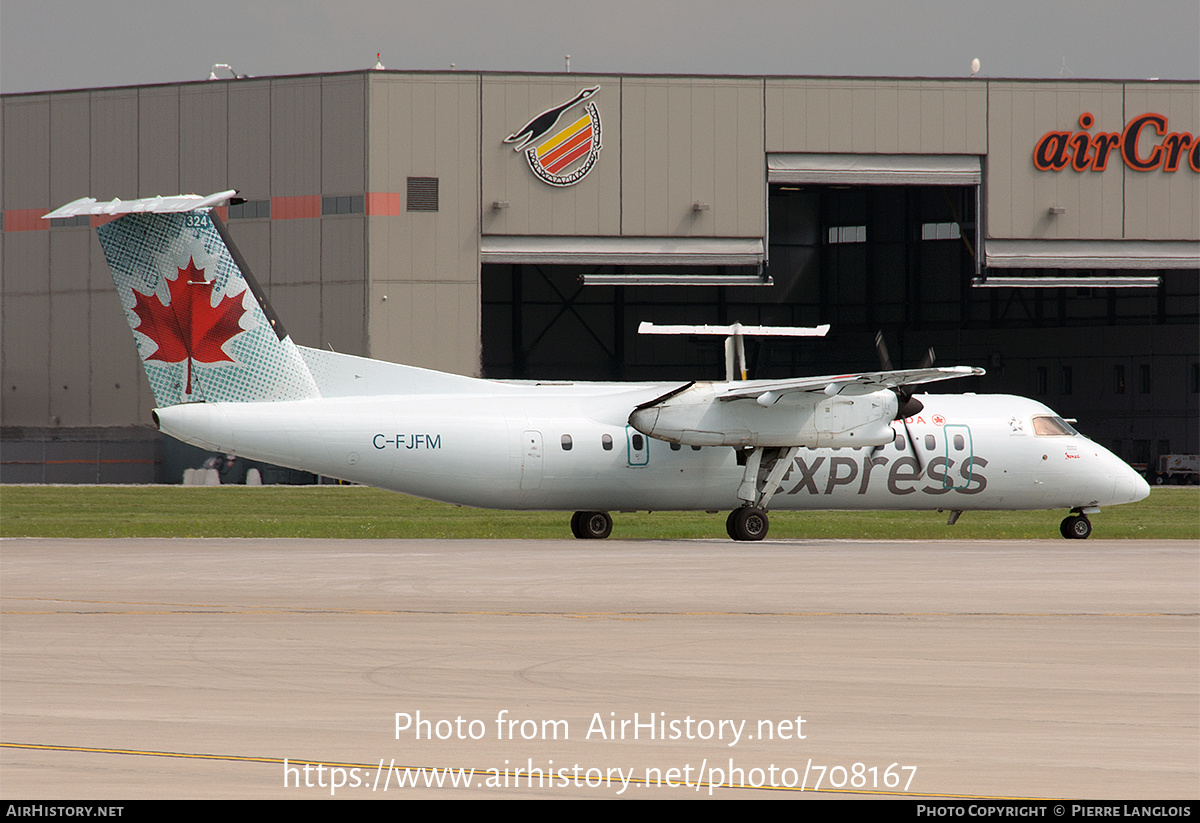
{"x":1076,"y":527}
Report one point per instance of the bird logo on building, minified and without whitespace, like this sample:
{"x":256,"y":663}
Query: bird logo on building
{"x":563,"y":157}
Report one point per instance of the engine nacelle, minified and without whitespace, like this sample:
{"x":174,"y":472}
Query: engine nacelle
{"x":697,"y":416}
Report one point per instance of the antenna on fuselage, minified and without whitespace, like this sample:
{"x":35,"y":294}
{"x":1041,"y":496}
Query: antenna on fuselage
{"x":735,"y":345}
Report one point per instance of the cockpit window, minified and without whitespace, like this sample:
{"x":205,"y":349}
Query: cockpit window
{"x":1052,"y":427}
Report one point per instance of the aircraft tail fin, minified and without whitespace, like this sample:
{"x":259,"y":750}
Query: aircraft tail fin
{"x":203,"y":327}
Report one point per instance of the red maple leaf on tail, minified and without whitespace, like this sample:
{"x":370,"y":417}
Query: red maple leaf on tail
{"x":190,"y":327}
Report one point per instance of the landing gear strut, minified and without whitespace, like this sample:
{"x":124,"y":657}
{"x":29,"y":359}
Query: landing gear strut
{"x":764,"y":469}
{"x":1076,"y":527}
{"x":591,"y":525}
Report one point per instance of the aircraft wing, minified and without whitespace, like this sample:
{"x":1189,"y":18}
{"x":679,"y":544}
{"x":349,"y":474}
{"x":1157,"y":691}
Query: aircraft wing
{"x":766,"y":392}
{"x":834,"y":410}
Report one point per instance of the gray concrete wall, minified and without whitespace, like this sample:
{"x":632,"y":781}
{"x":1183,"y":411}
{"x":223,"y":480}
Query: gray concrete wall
{"x":404,"y":285}
{"x":876,"y":116}
{"x":423,"y":299}
{"x":692,"y":140}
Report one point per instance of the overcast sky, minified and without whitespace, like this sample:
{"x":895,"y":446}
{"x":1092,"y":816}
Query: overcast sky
{"x":61,"y":44}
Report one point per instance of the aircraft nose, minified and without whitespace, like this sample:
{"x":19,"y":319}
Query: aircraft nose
{"x":1129,"y":486}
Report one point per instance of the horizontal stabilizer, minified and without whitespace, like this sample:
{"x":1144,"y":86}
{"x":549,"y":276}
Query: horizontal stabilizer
{"x":735,"y":345}
{"x":737,"y":328}
{"x":153,"y":205}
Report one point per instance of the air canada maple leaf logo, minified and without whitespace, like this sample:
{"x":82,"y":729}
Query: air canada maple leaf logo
{"x":190,"y":327}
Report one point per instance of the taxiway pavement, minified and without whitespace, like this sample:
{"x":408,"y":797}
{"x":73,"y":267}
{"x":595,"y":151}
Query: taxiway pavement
{"x":194,"y":668}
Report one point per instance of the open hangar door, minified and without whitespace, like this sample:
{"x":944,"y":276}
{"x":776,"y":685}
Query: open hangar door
{"x":891,"y":247}
{"x":546,"y":322}
{"x":877,"y":243}
{"x":896,"y":244}
{"x":867,"y":246}
{"x":569,"y":308}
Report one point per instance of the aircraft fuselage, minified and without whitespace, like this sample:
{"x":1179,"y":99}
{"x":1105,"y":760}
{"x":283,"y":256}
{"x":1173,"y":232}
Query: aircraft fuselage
{"x":227,"y":377}
{"x":570,"y":446}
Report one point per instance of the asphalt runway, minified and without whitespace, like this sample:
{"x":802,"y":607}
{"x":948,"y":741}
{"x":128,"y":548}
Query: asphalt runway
{"x":196,"y":668}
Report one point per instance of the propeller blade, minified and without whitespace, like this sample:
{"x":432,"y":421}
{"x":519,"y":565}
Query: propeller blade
{"x":909,"y":406}
{"x":916,"y":452}
{"x":885,"y":361}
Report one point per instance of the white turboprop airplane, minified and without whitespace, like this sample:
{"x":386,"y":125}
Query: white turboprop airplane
{"x":226,"y":377}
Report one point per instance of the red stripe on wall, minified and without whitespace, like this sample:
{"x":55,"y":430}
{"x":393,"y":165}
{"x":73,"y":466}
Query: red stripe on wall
{"x":296,"y":208}
{"x":25,"y":219}
{"x":387,"y":203}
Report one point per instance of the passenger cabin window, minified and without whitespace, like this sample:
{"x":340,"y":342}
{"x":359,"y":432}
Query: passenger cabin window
{"x":930,"y":442}
{"x":959,"y":443}
{"x":566,"y":442}
{"x":638,"y":442}
{"x":606,"y":442}
{"x":1052,"y":427}
{"x":675,"y":447}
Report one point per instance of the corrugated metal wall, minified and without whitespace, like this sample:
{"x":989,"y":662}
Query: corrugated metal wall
{"x":67,"y":356}
{"x":404,"y":285}
{"x":423,"y":303}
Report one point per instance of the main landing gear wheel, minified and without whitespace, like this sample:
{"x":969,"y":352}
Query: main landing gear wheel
{"x":729,"y":524}
{"x":1076,"y":527}
{"x":591,"y":525}
{"x":747,"y":523}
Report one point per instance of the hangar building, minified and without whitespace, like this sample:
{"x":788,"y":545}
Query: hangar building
{"x":1046,"y":230}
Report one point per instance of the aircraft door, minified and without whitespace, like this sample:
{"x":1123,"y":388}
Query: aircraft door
{"x":959,"y":456}
{"x":531,"y":460}
{"x":637,"y":448}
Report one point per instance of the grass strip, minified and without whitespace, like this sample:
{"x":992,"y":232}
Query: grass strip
{"x":340,"y":512}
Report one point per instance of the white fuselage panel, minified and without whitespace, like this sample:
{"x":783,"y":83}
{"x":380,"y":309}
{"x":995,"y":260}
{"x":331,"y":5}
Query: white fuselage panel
{"x":570,"y":447}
